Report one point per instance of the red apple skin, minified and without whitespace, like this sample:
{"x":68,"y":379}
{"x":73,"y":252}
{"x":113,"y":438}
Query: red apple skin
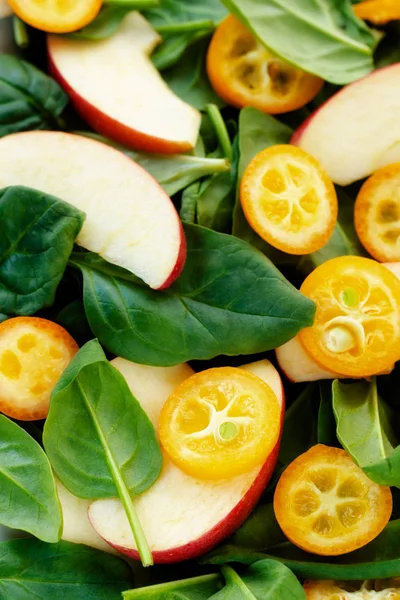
{"x":112,"y":128}
{"x":180,"y":261}
{"x":226,"y":526}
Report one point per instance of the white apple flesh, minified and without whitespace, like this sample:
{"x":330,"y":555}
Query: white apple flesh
{"x":5,"y":10}
{"x":182,"y":517}
{"x":357,"y":130}
{"x":130,"y":220}
{"x":117,"y":90}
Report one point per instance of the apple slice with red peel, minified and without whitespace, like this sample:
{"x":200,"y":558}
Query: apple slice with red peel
{"x":183,"y":517}
{"x":130,"y":220}
{"x":298,"y":366}
{"x":357,"y":130}
{"x":117,"y":90}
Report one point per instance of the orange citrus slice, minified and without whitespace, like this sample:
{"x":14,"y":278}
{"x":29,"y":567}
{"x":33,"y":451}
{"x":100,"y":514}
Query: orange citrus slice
{"x":384,"y":589}
{"x":33,"y":354}
{"x":220,"y":423}
{"x":325,"y":504}
{"x":289,"y":200}
{"x":378,"y":12}
{"x":56,"y":16}
{"x":245,"y":73}
{"x":377,"y":214}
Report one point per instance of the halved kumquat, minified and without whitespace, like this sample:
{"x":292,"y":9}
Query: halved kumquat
{"x":325,"y":504}
{"x":33,"y":354}
{"x":377,"y":214}
{"x":382,"y":589}
{"x":220,"y":423}
{"x":245,"y":73}
{"x":56,"y":16}
{"x":289,"y":200}
{"x":378,"y":12}
{"x":356,"y":330}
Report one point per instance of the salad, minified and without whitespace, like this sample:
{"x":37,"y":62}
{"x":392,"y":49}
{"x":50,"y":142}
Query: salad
{"x":199,"y":299}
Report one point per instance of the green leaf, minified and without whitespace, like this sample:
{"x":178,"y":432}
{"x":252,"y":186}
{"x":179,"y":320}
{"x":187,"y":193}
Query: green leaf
{"x":326,"y":428}
{"x":29,"y":99}
{"x":319,"y":36}
{"x":260,"y":531}
{"x":28,"y":497}
{"x":188,"y":77}
{"x":364,"y":429}
{"x":174,"y":172}
{"x":195,"y":588}
{"x":379,"y":559}
{"x":257,"y":131}
{"x":37,"y":234}
{"x":264,"y":580}
{"x":229,"y":299}
{"x":99,"y":440}
{"x":30,"y":569}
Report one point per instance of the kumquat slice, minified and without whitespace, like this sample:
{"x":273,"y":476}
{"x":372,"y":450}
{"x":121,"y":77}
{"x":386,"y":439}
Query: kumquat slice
{"x":289,"y":200}
{"x":56,"y":16}
{"x":244,"y":73}
{"x":325,"y":504}
{"x":356,"y":330}
{"x":378,"y":12}
{"x":33,"y":354}
{"x":377,"y":214}
{"x":382,"y":589}
{"x":220,"y":423}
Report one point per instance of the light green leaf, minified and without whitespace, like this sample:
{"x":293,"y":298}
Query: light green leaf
{"x":194,"y":588}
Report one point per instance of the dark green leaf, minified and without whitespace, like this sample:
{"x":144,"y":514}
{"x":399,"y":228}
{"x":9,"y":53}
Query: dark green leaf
{"x":364,"y":430}
{"x":260,"y":531}
{"x":195,"y":588}
{"x":377,"y":560}
{"x":30,"y":569}
{"x":73,"y":318}
{"x":37,"y":234}
{"x":29,"y":99}
{"x":173,"y":12}
{"x":175,"y":45}
{"x":326,"y":419}
{"x":319,"y":36}
{"x":263,"y":580}
{"x":28,"y":497}
{"x":230,"y":299}
{"x":99,"y":440}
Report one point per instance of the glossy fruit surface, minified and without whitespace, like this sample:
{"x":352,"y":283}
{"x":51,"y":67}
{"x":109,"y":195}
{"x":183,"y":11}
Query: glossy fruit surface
{"x":56,"y":16}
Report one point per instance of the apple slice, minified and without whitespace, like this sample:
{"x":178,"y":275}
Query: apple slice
{"x":183,"y":517}
{"x":117,"y":90}
{"x":130,"y":220}
{"x":5,"y":10}
{"x":357,"y":131}
{"x":298,"y":366}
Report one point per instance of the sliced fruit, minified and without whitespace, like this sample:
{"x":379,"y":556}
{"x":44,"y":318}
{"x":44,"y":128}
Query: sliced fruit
{"x":220,"y":423}
{"x":130,"y":221}
{"x":348,"y":135}
{"x":383,"y":589}
{"x":325,"y":504}
{"x":244,"y":73}
{"x":117,"y":90}
{"x":62,"y":16}
{"x":298,"y":366}
{"x":378,"y":12}
{"x":356,"y":330}
{"x":33,"y":354}
{"x":377,"y":214}
{"x":289,"y":200}
{"x":183,"y":517}
{"x":5,"y":10}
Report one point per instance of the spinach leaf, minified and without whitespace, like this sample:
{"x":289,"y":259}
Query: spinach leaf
{"x":257,"y":131}
{"x":195,"y":588}
{"x":173,"y":172}
{"x":216,"y":201}
{"x":99,"y":440}
{"x":229,"y":299}
{"x":37,"y":233}
{"x":264,"y":580}
{"x":260,"y":531}
{"x":319,"y":36}
{"x":326,"y":427}
{"x":29,"y":99}
{"x":188,"y":77}
{"x":364,"y":430}
{"x":377,"y":560}
{"x":73,"y":318}
{"x":175,"y":45}
{"x":28,"y":497}
{"x":31,"y":569}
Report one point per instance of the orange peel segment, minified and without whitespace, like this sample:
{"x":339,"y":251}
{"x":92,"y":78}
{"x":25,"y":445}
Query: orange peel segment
{"x":289,"y":200}
{"x":325,"y":504}
{"x":377,"y":214}
{"x":245,"y":73}
{"x":356,"y":330}
{"x":33,"y":354}
{"x":220,"y":423}
{"x":56,"y":16}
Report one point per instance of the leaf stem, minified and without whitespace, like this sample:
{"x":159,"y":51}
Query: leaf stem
{"x":20,"y":30}
{"x":220,"y":130}
{"x":134,"y":4}
{"x":186,"y":26}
